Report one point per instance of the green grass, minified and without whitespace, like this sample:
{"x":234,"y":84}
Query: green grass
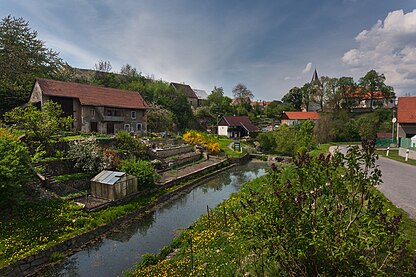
{"x":394,"y":155}
{"x":224,"y":142}
{"x":39,"y":225}
{"x":73,"y":177}
{"x":324,"y":147}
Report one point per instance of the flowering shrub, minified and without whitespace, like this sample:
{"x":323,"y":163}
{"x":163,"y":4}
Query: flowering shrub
{"x":194,"y":137}
{"x":88,"y":156}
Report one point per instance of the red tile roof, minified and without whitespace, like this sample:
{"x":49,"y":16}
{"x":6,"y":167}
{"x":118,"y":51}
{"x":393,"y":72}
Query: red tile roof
{"x":93,"y":95}
{"x":243,"y":121}
{"x":406,"y":109}
{"x":186,"y":89}
{"x":300,"y":115}
{"x":376,"y":95}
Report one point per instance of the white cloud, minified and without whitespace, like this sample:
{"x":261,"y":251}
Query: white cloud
{"x":307,"y":68}
{"x":390,"y":48}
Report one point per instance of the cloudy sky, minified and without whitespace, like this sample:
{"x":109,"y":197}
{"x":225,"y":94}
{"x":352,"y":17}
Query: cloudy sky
{"x":270,"y":46}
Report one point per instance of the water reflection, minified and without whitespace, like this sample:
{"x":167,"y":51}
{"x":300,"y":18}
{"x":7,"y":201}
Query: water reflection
{"x":121,"y":248}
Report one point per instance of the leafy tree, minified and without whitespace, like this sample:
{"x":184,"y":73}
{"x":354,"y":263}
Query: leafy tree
{"x":40,"y":126}
{"x":204,"y":116}
{"x":305,"y":140}
{"x":345,"y":86}
{"x":241,"y":91}
{"x":218,"y":104}
{"x":161,"y":93}
{"x":23,"y":57}
{"x":275,"y":110}
{"x":285,"y":140}
{"x":373,"y":82}
{"x":294,"y":98}
{"x":143,"y":170}
{"x":160,"y":119}
{"x":15,"y":169}
{"x":267,"y":141}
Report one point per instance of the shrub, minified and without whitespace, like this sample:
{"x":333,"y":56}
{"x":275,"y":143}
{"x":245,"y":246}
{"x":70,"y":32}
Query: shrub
{"x":129,"y":144}
{"x":88,"y":156}
{"x":15,"y":169}
{"x":143,"y":170}
{"x":321,"y":217}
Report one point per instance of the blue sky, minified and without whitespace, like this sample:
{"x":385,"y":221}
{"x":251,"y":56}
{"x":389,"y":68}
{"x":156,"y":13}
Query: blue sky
{"x":270,"y":46}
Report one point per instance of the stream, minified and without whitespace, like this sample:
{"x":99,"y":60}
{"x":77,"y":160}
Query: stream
{"x":122,"y":248}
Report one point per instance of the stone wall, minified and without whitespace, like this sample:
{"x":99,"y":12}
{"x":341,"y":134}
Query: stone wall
{"x":59,"y":167}
{"x":412,"y":153}
{"x":163,"y":153}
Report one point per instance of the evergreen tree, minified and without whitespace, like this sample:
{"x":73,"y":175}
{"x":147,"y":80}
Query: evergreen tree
{"x":23,"y":57}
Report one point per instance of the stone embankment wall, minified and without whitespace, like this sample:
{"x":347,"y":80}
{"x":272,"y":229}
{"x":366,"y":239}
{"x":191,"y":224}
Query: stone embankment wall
{"x":59,"y":167}
{"x":163,"y":153}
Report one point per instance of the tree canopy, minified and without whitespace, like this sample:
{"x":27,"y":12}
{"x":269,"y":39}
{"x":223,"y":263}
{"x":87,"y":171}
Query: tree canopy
{"x":23,"y":57}
{"x":373,"y":82}
{"x":40,"y":125}
{"x":241,"y":91}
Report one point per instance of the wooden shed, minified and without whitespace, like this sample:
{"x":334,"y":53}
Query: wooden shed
{"x":113,"y":185}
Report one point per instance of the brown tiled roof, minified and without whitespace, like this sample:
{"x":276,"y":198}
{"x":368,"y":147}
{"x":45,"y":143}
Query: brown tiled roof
{"x":406,"y":109}
{"x":243,"y":121}
{"x":300,"y":115}
{"x":186,"y":89}
{"x":93,"y":95}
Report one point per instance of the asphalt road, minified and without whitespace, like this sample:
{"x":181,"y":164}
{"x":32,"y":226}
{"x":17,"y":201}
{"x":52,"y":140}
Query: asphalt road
{"x":399,"y":183}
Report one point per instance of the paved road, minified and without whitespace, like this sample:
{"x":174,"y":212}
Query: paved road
{"x":399,"y":183}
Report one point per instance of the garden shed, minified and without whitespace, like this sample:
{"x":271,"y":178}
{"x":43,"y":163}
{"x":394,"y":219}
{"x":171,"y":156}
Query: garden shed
{"x":113,"y":185}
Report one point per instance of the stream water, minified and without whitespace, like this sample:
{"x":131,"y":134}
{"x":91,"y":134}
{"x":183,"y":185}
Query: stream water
{"x":122,"y":248}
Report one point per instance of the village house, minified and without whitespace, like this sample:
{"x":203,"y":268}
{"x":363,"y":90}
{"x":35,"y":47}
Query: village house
{"x":293,"y":118}
{"x":94,"y":108}
{"x":189,"y":93}
{"x":406,"y":117}
{"x":370,"y":100}
{"x":235,"y":126}
{"x":202,"y":96}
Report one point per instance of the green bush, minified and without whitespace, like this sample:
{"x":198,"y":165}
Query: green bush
{"x":15,"y":169}
{"x":143,"y":170}
{"x":129,"y":144}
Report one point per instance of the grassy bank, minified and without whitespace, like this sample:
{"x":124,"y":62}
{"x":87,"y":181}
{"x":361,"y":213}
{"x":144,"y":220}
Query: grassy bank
{"x":214,"y":245}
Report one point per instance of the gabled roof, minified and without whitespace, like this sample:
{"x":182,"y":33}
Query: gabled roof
{"x":201,"y":94}
{"x":242,"y":121}
{"x":186,"y":89}
{"x":93,"y":95}
{"x":406,"y":109}
{"x":300,"y":115}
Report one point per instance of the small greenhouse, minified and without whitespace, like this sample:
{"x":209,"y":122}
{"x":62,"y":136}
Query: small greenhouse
{"x":113,"y":185}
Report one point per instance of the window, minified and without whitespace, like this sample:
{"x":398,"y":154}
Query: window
{"x":92,"y":112}
{"x":127,"y":127}
{"x":133,"y":114}
{"x":138,"y":127}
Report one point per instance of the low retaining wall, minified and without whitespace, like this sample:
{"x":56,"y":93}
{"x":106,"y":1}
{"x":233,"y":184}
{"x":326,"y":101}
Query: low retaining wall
{"x":163,"y":153}
{"x":412,"y":153}
{"x":65,"y":188}
{"x":59,"y":167}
